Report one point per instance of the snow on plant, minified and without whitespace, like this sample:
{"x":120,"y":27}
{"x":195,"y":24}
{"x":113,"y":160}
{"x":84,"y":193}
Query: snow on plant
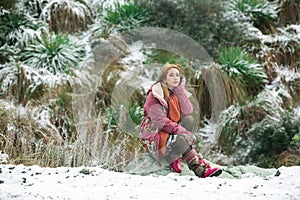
{"x":239,"y":65}
{"x":55,"y":53}
{"x":243,"y":129}
{"x":286,"y":82}
{"x":3,"y":158}
{"x":261,"y":14}
{"x":79,"y":7}
{"x":8,"y":76}
{"x":18,"y":28}
{"x":29,"y":128}
{"x":252,"y":9}
{"x":119,"y":16}
{"x":14,"y":76}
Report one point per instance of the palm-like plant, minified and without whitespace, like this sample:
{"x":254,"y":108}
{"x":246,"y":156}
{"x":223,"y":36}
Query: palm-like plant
{"x":245,"y":70}
{"x":17,"y":28}
{"x":261,"y":13}
{"x":120,"y":17}
{"x":128,"y":15}
{"x":56,"y":53}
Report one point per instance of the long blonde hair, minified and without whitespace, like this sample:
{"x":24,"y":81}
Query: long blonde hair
{"x":163,"y":74}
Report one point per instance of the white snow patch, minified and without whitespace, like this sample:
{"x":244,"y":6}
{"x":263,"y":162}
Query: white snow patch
{"x":34,"y":182}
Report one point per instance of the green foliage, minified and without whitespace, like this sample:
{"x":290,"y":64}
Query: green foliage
{"x":136,"y":113}
{"x":126,"y":16}
{"x":269,"y":138}
{"x":257,"y":132}
{"x":120,"y":17}
{"x":56,"y":53}
{"x":203,"y":20}
{"x":163,"y":57}
{"x":18,"y":28}
{"x":260,"y":12}
{"x":296,"y":141}
{"x":245,"y":70}
{"x":124,"y":117}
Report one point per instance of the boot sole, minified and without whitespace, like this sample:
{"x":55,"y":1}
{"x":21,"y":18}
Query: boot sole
{"x":216,"y":173}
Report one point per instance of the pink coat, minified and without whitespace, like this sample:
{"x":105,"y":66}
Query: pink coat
{"x":155,"y":114}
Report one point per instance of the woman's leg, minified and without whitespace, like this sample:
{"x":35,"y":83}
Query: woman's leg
{"x":188,"y":122}
{"x":178,"y":148}
{"x":181,"y":147}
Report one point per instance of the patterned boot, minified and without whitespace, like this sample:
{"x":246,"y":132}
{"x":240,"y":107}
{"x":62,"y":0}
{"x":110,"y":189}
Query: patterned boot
{"x":193,"y":161}
{"x":176,"y":166}
{"x":210,"y":171}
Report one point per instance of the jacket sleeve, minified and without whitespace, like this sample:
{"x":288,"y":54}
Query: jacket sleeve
{"x":158,"y":116}
{"x":184,"y":102}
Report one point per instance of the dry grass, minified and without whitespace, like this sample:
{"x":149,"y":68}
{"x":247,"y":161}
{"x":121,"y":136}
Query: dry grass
{"x":69,"y":17}
{"x":287,"y":158}
{"x":289,"y":12}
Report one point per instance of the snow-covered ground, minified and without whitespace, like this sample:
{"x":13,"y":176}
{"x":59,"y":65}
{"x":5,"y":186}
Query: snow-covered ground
{"x":34,"y":182}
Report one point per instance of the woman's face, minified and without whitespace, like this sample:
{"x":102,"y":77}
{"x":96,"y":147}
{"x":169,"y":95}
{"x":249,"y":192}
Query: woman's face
{"x":173,"y":78}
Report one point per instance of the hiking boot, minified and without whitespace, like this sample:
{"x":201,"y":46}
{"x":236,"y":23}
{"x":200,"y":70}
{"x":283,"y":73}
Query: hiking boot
{"x":201,"y":168}
{"x":210,"y":172}
{"x":193,"y":160}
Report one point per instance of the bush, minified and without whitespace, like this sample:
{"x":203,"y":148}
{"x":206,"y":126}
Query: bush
{"x":17,"y":29}
{"x":204,"y":21}
{"x":261,"y":13}
{"x":119,"y":17}
{"x":245,"y":70}
{"x":242,"y":129}
{"x":270,"y":138}
{"x":66,"y":16}
{"x":55,"y":53}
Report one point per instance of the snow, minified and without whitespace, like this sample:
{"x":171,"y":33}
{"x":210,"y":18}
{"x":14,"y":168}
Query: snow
{"x":34,"y":182}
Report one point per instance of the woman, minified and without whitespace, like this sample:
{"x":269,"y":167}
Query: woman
{"x":168,"y":123}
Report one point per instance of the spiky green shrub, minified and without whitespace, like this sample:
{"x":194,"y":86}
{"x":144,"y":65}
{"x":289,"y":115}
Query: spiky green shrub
{"x":55,"y":53}
{"x":261,"y":13}
{"x":244,"y":69}
{"x":120,"y":17}
{"x":17,"y":29}
{"x":126,"y":16}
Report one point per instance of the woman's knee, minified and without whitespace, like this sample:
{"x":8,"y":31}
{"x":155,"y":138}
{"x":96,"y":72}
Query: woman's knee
{"x":188,"y":122}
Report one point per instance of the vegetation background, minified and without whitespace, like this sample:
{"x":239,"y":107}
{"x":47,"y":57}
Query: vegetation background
{"x":46,"y":48}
